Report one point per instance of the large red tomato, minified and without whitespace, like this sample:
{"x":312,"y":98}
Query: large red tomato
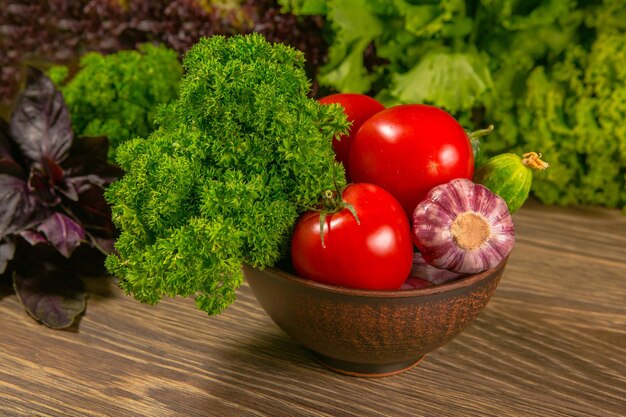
{"x":376,"y":253}
{"x":408,"y":150}
{"x":358,"y":108}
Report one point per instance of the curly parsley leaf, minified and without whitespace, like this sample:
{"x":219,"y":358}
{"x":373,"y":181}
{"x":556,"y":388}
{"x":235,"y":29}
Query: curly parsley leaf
{"x":236,"y":158}
{"x":118,"y":95}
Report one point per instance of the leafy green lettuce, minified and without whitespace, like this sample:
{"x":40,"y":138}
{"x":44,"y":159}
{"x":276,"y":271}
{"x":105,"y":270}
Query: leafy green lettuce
{"x":570,"y":104}
{"x":574,"y":112}
{"x":419,"y":49}
{"x":546,"y":73}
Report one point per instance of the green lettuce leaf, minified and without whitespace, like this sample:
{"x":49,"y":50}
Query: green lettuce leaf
{"x":454,"y":81}
{"x":573,"y":113}
{"x":355,"y":28}
{"x":548,"y":74}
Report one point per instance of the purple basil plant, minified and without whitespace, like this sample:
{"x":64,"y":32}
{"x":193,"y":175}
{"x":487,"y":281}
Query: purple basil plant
{"x":55,"y":225}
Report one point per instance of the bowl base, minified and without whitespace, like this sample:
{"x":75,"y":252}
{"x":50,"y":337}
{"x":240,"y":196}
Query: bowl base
{"x":362,"y":370}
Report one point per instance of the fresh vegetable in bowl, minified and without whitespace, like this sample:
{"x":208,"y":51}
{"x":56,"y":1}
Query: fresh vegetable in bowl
{"x":363,"y":242}
{"x":358,"y":108}
{"x":243,"y":152}
{"x":510,"y":176}
{"x":408,"y":150}
{"x":415,"y":282}
{"x":463,"y":227}
{"x":371,"y":333}
{"x":436,"y":276}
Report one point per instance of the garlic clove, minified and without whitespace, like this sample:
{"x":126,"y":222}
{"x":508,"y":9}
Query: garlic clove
{"x":413,"y":283}
{"x":421,"y":269}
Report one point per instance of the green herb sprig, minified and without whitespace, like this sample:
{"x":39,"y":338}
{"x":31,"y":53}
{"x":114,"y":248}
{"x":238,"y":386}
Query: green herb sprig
{"x":235,"y":160}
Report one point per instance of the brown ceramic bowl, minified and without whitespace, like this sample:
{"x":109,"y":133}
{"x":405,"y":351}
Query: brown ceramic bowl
{"x":370,"y":333}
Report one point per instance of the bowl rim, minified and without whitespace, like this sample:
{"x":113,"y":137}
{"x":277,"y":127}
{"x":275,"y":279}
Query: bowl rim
{"x":416,"y":292}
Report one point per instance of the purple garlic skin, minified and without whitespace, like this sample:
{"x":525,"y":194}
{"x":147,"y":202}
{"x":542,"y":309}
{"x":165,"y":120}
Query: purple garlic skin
{"x":436,"y":276}
{"x":414,"y":283}
{"x":463,"y":227}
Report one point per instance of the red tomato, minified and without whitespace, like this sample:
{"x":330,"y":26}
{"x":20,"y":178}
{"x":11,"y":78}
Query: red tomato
{"x":358,"y":108}
{"x":376,"y":253}
{"x":410,"y":149}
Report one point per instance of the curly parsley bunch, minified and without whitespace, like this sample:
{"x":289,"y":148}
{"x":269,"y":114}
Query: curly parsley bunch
{"x":236,"y":158}
{"x":118,"y":95}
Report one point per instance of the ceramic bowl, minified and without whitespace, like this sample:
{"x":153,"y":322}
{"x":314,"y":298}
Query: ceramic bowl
{"x":370,"y":333}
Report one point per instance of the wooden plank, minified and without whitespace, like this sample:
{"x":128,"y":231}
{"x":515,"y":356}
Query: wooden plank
{"x":552,"y":341}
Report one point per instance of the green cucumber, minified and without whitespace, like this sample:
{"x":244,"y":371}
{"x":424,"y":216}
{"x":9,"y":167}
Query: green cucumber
{"x":510,"y":176}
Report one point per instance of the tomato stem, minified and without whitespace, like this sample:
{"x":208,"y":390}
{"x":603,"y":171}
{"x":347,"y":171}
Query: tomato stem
{"x":352,"y":210}
{"x":481,"y":132}
{"x":333,"y":202}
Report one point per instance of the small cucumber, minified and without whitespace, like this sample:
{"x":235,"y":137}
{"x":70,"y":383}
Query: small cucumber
{"x":510,"y":176}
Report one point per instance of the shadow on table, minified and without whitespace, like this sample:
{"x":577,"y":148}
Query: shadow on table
{"x":101,"y":287}
{"x":5,"y":289}
{"x":270,"y":350}
{"x":263,"y":375}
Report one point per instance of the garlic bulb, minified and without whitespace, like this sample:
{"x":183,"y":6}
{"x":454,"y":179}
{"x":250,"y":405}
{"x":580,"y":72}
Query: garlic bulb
{"x":463,"y":227}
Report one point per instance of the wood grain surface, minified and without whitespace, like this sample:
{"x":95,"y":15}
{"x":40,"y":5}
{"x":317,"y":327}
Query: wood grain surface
{"x":551,"y":342}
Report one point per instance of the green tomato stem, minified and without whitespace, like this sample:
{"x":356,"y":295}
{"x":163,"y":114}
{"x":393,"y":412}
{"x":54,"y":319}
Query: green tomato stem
{"x":334,"y":203}
{"x":480,"y":132}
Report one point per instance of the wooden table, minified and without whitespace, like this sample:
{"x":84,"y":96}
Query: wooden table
{"x":552,"y":341}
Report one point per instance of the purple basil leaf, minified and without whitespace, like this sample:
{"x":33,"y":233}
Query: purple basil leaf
{"x":54,"y":171}
{"x":69,"y":189}
{"x":102,"y":174}
{"x":33,"y":238}
{"x":86,"y":262}
{"x":63,"y":233}
{"x":87,"y":172}
{"x":88,"y":162}
{"x":40,"y":124}
{"x":7,"y":250}
{"x":84,"y":183}
{"x":94,"y":212}
{"x":95,"y":215}
{"x":17,"y":208}
{"x":40,"y":184}
{"x":104,"y":245}
{"x":54,"y":298}
{"x":88,"y":148}
{"x":8,"y":165}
